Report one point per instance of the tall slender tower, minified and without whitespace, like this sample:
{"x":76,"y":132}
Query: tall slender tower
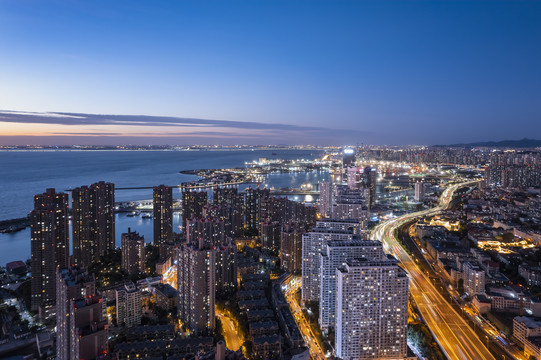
{"x":49,"y":245}
{"x":253,"y":200}
{"x":291,"y":247}
{"x":370,"y":176}
{"x":93,"y":214}
{"x":325,"y":198}
{"x":71,"y":284}
{"x":197,"y":286}
{"x":163,"y":215}
{"x":269,"y":236}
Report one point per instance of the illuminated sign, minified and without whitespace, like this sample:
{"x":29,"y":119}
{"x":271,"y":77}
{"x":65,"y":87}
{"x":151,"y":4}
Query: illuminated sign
{"x":348,"y":151}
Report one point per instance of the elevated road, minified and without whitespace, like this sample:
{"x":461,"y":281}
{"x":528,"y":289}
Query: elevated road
{"x":455,"y":337}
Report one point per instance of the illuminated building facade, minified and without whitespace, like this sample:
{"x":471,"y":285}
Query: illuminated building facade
{"x":325,"y":198}
{"x":193,"y":203}
{"x":474,"y":278}
{"x":133,"y":252}
{"x":89,"y":329}
{"x":252,"y":207}
{"x":348,"y":157}
{"x":313,"y":243}
{"x":129,"y":305}
{"x":212,"y":231}
{"x":419,"y":191}
{"x":513,"y":175}
{"x":93,"y":215}
{"x":372,"y":310}
{"x":269,"y":235}
{"x":49,"y":229}
{"x":342,"y":224}
{"x":196,"y":287}
{"x":291,"y":247}
{"x":333,"y":256}
{"x":163,"y":215}
{"x":228,"y":205}
{"x":226,"y":266}
{"x":370,"y":176}
{"x":71,"y":284}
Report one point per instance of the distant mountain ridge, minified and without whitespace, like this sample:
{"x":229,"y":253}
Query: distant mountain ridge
{"x":523,"y":143}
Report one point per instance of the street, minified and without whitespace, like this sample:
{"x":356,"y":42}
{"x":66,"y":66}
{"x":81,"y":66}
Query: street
{"x":315,"y":350}
{"x":232,"y":339}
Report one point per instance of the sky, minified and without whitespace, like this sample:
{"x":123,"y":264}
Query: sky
{"x":269,"y":72}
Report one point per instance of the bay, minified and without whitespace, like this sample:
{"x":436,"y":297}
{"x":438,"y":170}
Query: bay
{"x":25,"y":173}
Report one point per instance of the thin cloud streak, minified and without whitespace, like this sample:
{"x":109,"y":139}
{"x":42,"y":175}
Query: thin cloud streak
{"x":114,"y":128}
{"x":137,"y":120}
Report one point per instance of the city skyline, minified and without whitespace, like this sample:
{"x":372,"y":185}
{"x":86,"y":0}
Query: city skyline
{"x":365,"y":272}
{"x":378,"y":72}
{"x":270,"y":180}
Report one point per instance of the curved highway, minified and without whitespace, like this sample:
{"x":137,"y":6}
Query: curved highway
{"x":455,"y":337}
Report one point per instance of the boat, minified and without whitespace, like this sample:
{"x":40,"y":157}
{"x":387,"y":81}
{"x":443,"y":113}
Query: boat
{"x":147,"y":216}
{"x":134,"y":213}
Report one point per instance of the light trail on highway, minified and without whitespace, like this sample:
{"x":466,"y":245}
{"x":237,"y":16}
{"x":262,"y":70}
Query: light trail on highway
{"x":315,"y":350}
{"x":454,"y":335}
{"x":231,"y":335}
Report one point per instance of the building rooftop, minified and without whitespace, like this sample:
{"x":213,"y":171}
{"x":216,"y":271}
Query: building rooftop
{"x":14,"y":265}
{"x":528,"y":321}
{"x":167,"y":290}
{"x":148,"y":329}
{"x":270,"y":339}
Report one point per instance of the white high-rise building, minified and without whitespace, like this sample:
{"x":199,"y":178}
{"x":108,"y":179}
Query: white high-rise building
{"x":334,"y":255}
{"x":353,"y":178}
{"x":342,"y":224}
{"x":351,"y":210}
{"x":474,"y":278}
{"x":129,"y":305}
{"x":312,"y":245}
{"x":419,"y":191}
{"x":372,"y":310}
{"x":349,"y":204}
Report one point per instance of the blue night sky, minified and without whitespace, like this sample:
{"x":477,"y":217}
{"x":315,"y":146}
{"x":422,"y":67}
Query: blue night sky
{"x":373,"y":72}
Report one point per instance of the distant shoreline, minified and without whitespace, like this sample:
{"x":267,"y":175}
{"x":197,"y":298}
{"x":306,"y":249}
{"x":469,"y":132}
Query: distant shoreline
{"x":31,"y":149}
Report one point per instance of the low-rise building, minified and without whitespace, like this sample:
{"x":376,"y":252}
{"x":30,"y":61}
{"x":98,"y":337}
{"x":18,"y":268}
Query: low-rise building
{"x":525,"y":327}
{"x":151,"y":332}
{"x":481,"y":303}
{"x":532,"y":274}
{"x":163,"y":265}
{"x":474,"y":278}
{"x":260,"y":328}
{"x":166,"y":296}
{"x":267,"y":347}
